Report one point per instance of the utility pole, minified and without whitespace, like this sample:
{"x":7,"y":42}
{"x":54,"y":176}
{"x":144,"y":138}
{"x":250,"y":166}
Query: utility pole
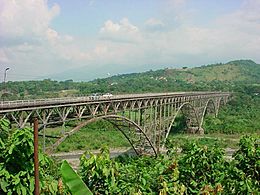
{"x":36,"y":157}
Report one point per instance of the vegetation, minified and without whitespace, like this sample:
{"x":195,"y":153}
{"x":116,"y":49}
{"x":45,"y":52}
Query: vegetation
{"x":94,"y":136}
{"x":73,"y":181}
{"x":16,"y":163}
{"x":198,"y":169}
{"x":240,"y":115}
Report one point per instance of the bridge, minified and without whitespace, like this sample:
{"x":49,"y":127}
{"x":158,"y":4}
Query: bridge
{"x":144,"y":119}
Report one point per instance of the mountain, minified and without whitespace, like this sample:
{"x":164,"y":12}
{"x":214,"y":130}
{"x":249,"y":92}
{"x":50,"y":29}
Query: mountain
{"x":239,"y":70}
{"x":207,"y":77}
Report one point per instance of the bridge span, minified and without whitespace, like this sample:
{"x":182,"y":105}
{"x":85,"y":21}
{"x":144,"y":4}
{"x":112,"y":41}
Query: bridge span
{"x":144,"y":119}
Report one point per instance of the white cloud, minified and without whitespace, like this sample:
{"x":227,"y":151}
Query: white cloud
{"x":110,"y":27}
{"x":25,"y":18}
{"x":124,"y":26}
{"x":26,"y":36}
{"x":123,"y":31}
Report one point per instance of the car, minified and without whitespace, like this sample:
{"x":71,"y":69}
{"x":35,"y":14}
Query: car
{"x":94,"y":96}
{"x":107,"y":95}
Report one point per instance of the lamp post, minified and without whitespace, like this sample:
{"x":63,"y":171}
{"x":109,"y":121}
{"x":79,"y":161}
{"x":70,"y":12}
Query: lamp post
{"x":4,"y":82}
{"x":5,"y":74}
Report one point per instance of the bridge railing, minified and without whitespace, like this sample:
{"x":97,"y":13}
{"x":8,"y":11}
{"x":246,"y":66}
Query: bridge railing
{"x":79,"y":98}
{"x":43,"y":101}
{"x":65,"y":100}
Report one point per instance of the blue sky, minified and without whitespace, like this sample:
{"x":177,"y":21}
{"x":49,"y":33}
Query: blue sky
{"x":86,"y":39}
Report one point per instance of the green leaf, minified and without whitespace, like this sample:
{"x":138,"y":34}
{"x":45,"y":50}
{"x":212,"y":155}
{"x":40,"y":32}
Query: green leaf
{"x":3,"y":185}
{"x":23,"y":189}
{"x":73,"y":181}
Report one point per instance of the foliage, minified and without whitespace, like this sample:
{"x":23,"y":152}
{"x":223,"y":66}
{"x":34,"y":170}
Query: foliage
{"x":242,"y":177}
{"x":149,"y":175}
{"x":98,"y":171}
{"x":4,"y":129}
{"x":180,"y":125}
{"x":17,"y":167}
{"x":197,"y":170}
{"x":202,"y":167}
{"x":240,"y":115}
{"x":130,"y":175}
{"x":248,"y":156}
{"x":73,"y":181}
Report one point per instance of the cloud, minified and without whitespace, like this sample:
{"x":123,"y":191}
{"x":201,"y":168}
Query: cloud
{"x":246,"y":19}
{"x":27,"y":42}
{"x":25,"y":18}
{"x":123,"y":31}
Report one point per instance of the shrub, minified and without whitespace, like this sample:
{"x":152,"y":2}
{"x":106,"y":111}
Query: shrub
{"x":17,"y":165}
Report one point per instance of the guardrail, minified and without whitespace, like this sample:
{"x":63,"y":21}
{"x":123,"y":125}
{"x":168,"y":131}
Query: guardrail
{"x":66,"y":100}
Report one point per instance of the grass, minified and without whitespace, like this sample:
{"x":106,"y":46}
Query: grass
{"x":222,"y":140}
{"x":94,"y":136}
{"x":87,"y":139}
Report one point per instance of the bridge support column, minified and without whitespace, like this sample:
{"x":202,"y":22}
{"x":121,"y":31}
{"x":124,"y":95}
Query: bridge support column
{"x":44,"y":138}
{"x":159,"y":129}
{"x":63,"y":128}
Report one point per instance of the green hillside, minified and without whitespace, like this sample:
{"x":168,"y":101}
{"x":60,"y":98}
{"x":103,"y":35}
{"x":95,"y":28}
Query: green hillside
{"x":210,"y":77}
{"x":216,"y":77}
{"x":240,"y":70}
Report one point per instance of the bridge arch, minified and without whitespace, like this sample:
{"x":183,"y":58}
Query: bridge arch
{"x":184,"y":105}
{"x":210,"y":104}
{"x":132,"y":132}
{"x":221,"y":102}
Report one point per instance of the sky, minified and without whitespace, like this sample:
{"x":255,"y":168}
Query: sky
{"x":87,"y":39}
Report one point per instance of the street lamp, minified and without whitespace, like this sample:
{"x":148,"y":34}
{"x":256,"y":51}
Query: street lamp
{"x":5,"y":74}
{"x":4,"y":83}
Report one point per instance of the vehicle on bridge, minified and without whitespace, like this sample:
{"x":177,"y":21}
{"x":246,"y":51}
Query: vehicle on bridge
{"x":107,"y":95}
{"x":95,"y":96}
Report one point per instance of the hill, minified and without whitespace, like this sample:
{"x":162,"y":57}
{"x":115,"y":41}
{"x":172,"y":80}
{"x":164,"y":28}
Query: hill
{"x":210,"y":77}
{"x":215,"y":77}
{"x":240,"y":70}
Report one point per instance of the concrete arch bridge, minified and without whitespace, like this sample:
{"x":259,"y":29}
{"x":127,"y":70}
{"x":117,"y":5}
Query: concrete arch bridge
{"x":144,"y":119}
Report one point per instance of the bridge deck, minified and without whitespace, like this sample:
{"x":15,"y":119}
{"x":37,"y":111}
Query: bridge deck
{"x":53,"y":102}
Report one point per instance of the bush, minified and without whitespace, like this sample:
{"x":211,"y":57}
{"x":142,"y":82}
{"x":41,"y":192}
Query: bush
{"x":202,"y":168}
{"x":17,"y":165}
{"x":242,"y":176}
